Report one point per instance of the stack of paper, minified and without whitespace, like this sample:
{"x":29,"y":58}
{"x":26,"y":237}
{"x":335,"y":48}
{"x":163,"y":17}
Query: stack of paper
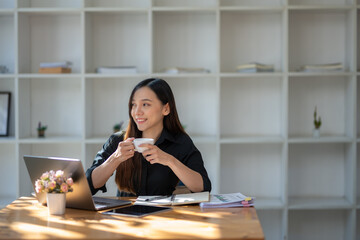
{"x":228,"y":200}
{"x":117,"y":70}
{"x":322,"y":67}
{"x":178,"y":199}
{"x":55,"y":67}
{"x":254,"y":67}
{"x":176,"y":70}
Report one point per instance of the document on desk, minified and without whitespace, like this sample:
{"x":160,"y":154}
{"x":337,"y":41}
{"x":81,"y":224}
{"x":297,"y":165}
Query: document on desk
{"x":175,"y":199}
{"x":228,"y":200}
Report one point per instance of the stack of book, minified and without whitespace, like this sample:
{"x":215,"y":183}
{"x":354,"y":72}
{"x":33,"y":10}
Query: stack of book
{"x":254,"y":67}
{"x":176,"y":70}
{"x":228,"y":200}
{"x":322,"y":67}
{"x":117,"y":70}
{"x":55,"y":67}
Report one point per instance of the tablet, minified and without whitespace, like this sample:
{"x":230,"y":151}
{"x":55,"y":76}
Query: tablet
{"x":137,"y":210}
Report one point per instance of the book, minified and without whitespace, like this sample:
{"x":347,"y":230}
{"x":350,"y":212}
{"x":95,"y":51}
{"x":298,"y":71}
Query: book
{"x":175,"y":199}
{"x":176,"y":70}
{"x":255,"y":67}
{"x":228,"y":200}
{"x":55,"y":70}
{"x":322,"y":67}
{"x":63,"y":64}
{"x":117,"y":70}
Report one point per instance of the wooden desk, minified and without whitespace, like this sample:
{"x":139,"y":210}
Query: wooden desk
{"x":25,"y":218}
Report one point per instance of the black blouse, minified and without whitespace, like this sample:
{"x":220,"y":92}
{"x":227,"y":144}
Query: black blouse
{"x":156,"y":179}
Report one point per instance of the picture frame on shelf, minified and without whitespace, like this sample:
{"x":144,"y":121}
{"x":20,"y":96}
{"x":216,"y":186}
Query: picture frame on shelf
{"x":5,"y":98}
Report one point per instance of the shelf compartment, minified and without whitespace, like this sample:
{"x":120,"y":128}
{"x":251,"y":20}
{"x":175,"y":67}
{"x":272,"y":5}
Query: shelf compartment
{"x":6,"y":4}
{"x":7,"y":42}
{"x":117,"y":4}
{"x":250,"y":37}
{"x":209,"y":153}
{"x":320,"y":224}
{"x":113,"y":93}
{"x":333,"y":97}
{"x":192,"y":94}
{"x":55,"y":102}
{"x":335,"y":183}
{"x":272,"y":223}
{"x":64,"y":150}
{"x":8,"y":85}
{"x":190,"y":40}
{"x":117,"y":39}
{"x":8,"y":174}
{"x":49,"y":3}
{"x":312,"y":38}
{"x":256,"y":3}
{"x":251,"y":107}
{"x":57,"y":46}
{"x":240,"y":165}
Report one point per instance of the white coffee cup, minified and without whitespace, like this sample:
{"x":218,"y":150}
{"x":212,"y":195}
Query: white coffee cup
{"x":138,"y":141}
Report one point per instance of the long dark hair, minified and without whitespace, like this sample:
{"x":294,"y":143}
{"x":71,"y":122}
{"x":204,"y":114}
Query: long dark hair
{"x":128,"y":173}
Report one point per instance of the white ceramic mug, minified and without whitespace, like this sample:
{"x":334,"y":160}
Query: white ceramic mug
{"x":138,"y":141}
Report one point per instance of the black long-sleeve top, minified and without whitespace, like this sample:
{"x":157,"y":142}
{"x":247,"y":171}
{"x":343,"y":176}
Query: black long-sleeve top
{"x":156,"y":179}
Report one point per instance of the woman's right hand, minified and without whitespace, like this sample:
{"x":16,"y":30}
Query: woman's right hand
{"x":125,"y":150}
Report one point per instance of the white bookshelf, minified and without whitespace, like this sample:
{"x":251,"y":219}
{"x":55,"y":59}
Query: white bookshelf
{"x":253,"y":130}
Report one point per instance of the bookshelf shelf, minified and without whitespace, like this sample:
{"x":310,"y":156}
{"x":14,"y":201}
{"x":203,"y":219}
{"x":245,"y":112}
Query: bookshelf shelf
{"x":254,"y":130}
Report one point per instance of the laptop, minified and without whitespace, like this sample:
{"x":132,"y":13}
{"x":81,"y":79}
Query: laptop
{"x":80,"y":197}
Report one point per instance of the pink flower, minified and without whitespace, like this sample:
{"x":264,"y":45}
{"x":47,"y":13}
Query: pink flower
{"x":64,"y":187}
{"x":52,"y":185}
{"x":38,"y":186}
{"x":44,"y":176}
{"x":70,"y":181}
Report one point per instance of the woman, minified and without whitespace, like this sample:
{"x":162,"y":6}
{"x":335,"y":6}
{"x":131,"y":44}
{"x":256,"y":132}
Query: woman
{"x":157,"y":170}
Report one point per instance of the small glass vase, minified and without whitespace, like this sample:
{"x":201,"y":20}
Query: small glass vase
{"x":316,"y":132}
{"x":56,"y":203}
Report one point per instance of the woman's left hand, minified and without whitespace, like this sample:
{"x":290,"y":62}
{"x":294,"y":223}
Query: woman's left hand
{"x":153,"y":154}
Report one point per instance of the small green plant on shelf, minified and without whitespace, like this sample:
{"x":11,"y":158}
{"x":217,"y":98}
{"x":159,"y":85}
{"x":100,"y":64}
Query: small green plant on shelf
{"x":41,"y":130}
{"x":317,"y":121}
{"x":117,"y":127}
{"x":317,"y":124}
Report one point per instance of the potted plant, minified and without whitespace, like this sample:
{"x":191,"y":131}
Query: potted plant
{"x":41,"y":130}
{"x":117,"y":127}
{"x":317,"y":124}
{"x":55,"y":185}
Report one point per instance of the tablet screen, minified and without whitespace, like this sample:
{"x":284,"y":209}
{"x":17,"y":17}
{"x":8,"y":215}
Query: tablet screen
{"x":136,"y":210}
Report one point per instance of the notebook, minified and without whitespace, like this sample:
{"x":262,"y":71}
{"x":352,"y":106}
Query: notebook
{"x":175,"y":199}
{"x":80,"y":197}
